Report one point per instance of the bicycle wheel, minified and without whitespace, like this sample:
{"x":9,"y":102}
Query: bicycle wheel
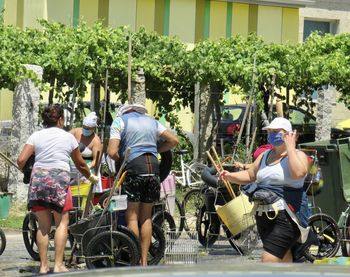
{"x":191,"y":205}
{"x":208,"y":227}
{"x":193,"y":174}
{"x":166,"y":222}
{"x":179,"y":217}
{"x":157,"y":248}
{"x":345,"y":244}
{"x":29,"y":230}
{"x":328,"y":236}
{"x":111,"y":249}
{"x":2,"y":241}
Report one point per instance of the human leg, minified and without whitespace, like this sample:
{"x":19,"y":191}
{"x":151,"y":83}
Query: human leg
{"x":132,"y":217}
{"x":145,"y":222}
{"x":42,"y":238}
{"x":61,"y":222}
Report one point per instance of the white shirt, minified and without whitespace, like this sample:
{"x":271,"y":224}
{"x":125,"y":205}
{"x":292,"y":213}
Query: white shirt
{"x":53,"y":147}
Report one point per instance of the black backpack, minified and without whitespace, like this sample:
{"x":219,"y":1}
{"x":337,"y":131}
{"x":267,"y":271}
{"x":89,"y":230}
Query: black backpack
{"x":27,"y":169}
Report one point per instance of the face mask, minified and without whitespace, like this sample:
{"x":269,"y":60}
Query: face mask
{"x":275,"y":138}
{"x":87,"y":132}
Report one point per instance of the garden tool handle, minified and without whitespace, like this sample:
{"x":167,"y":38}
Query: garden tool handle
{"x":227,"y":185}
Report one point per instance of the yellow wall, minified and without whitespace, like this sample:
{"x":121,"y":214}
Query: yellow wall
{"x":89,"y":11}
{"x":182,"y":19}
{"x":145,"y":14}
{"x":290,"y":25}
{"x":32,"y":11}
{"x":61,"y":11}
{"x":122,"y":12}
{"x":6,"y":98}
{"x":270,"y":23}
{"x":240,"y":19}
{"x":10,"y":14}
{"x":253,"y":18}
{"x":217,"y":25}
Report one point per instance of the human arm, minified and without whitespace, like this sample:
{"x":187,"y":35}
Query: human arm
{"x":26,"y":152}
{"x":243,"y":166}
{"x":113,"y":148}
{"x":170,"y":141}
{"x":242,"y":177}
{"x":298,"y":163}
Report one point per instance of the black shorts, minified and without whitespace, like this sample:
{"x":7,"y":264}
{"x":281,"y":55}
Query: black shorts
{"x":277,"y":235}
{"x":145,"y":189}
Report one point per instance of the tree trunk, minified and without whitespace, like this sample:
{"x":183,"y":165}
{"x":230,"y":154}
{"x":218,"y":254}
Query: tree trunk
{"x":205,"y":128}
{"x":138,"y":89}
{"x":26,"y":99}
{"x":324,"y":114}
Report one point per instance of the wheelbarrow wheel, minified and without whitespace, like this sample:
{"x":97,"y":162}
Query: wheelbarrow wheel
{"x":29,"y":230}
{"x":157,"y":248}
{"x":111,"y":249}
{"x":2,"y":241}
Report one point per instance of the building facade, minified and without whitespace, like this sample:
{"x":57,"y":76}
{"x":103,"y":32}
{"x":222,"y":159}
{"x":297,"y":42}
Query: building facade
{"x":190,"y":20}
{"x":327,"y":16}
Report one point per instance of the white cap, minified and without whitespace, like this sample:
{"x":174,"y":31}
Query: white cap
{"x":137,"y":107}
{"x":279,"y":123}
{"x":90,"y":120}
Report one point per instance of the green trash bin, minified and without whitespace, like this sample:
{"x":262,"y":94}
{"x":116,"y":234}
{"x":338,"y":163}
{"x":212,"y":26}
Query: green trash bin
{"x":334,"y":160}
{"x":5,"y":203}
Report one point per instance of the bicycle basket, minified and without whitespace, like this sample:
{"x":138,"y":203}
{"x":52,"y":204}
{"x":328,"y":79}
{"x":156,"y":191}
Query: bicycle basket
{"x":236,"y":214}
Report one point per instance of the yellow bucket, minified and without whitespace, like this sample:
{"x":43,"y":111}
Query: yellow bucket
{"x":80,"y":191}
{"x":236,"y":214}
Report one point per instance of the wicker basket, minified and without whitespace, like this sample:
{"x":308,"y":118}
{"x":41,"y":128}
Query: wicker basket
{"x":236,"y":214}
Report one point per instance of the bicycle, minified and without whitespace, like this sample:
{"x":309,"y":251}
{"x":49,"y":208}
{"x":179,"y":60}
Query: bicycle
{"x":2,"y":241}
{"x":190,"y":173}
{"x":209,"y":226}
{"x":168,"y":212}
{"x":189,"y":177}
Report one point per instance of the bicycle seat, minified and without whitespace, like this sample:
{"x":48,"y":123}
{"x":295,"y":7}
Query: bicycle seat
{"x":181,"y":152}
{"x":209,"y":176}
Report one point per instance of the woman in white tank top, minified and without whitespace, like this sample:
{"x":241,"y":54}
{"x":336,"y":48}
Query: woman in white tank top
{"x":281,"y":167}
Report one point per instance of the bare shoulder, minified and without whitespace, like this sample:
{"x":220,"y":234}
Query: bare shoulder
{"x":75,"y":131}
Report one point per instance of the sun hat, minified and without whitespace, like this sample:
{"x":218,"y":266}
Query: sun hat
{"x":279,"y":123}
{"x":137,"y":107}
{"x":90,"y":120}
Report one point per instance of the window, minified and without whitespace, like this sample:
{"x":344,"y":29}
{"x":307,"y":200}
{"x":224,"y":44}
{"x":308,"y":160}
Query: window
{"x":324,"y":27}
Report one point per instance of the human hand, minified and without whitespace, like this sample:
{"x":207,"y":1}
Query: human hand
{"x":239,"y":165}
{"x":93,"y":179}
{"x":223,"y":175}
{"x":290,"y":139}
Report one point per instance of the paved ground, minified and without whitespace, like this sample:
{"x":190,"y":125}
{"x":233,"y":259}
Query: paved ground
{"x":221,"y":258}
{"x":15,"y":261}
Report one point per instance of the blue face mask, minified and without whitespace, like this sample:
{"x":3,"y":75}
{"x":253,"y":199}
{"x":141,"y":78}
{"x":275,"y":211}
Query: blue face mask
{"x":87,"y":132}
{"x":276,"y":139}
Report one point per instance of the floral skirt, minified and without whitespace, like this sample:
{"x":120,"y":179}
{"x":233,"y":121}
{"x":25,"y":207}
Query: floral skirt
{"x":48,"y":188}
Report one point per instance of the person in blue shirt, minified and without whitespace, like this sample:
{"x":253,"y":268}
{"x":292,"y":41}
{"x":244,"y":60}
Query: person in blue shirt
{"x":135,"y":130}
